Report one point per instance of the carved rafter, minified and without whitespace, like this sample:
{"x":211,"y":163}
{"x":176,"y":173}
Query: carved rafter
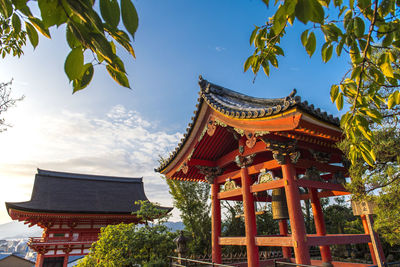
{"x":211,"y":127}
{"x":321,"y":157}
{"x":244,"y":161}
{"x":282,"y":149}
{"x":251,"y":139}
{"x":210,"y":173}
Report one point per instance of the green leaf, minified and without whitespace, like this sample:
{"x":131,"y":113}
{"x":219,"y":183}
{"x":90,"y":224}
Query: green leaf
{"x":367,"y":155}
{"x":16,"y":23}
{"x":393,"y":99}
{"x":265,"y":66}
{"x":385,"y":66}
{"x":303,"y":11}
{"x":110,"y":12}
{"x":32,"y":34}
{"x":339,"y":101}
{"x":311,"y":44}
{"x":359,"y":27}
{"x":253,"y":35}
{"x":87,"y":75}
{"x":71,"y":39}
{"x":334,"y":92}
{"x":103,"y":47}
{"x":248,"y":63}
{"x":40,"y":27}
{"x":6,"y":8}
{"x":52,"y":12}
{"x":129,"y":16}
{"x":118,"y":76}
{"x":387,"y":41}
{"x":74,"y":64}
{"x":326,"y":52}
{"x":304,"y":37}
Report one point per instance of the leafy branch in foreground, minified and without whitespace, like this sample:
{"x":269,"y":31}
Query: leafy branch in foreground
{"x":85,"y":30}
{"x":356,"y":30}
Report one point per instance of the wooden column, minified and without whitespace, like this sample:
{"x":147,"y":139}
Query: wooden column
{"x":366,"y":230}
{"x":65,"y":261}
{"x":295,"y":214}
{"x":39,"y":260}
{"x":320,"y":226}
{"x":249,"y":219}
{"x":378,"y":257}
{"x":283,"y":230}
{"x":215,"y":223}
{"x":248,"y":206}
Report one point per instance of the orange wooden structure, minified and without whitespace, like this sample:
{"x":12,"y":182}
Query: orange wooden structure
{"x":243,"y":146}
{"x":71,"y":208}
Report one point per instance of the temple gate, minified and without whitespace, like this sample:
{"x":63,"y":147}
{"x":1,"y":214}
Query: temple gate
{"x":244,"y":146}
{"x":71,"y":208}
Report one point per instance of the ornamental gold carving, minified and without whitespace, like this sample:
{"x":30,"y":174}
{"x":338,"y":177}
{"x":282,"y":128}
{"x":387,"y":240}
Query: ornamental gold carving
{"x":229,"y":185}
{"x":282,"y":149}
{"x":210,"y":173}
{"x":265,"y":177}
{"x":244,"y":161}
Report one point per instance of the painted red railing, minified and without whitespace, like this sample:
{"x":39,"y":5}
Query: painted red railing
{"x":70,"y":240}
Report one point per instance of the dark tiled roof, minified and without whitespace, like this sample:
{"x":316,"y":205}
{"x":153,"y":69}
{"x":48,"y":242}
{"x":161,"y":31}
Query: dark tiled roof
{"x":80,"y":193}
{"x":241,"y":106}
{"x":237,"y":105}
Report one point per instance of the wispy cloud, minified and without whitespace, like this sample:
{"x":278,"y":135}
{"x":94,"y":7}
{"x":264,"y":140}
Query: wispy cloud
{"x":220,"y":48}
{"x":119,"y":143}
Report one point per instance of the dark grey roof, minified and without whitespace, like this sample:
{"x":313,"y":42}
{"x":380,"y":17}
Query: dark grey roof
{"x":81,"y":193}
{"x":236,"y":105}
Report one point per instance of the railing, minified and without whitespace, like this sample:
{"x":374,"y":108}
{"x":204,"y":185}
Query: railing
{"x":285,"y":263}
{"x":46,"y":240}
{"x":183,"y":262}
{"x":188,"y":262}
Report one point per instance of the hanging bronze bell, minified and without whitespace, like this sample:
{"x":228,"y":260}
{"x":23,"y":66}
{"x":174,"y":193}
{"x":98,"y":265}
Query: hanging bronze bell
{"x":279,"y":204}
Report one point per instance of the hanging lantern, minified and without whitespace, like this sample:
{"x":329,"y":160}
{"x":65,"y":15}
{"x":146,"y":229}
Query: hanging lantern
{"x":279,"y":204}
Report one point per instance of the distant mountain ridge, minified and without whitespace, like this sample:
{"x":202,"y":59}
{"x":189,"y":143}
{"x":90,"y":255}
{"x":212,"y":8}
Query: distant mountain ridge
{"x":18,"y":230}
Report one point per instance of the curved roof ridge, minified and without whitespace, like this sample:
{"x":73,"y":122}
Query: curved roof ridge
{"x":69,"y":175}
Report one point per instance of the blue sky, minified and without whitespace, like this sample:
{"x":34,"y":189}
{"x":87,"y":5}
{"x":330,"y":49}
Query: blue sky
{"x":110,"y":130}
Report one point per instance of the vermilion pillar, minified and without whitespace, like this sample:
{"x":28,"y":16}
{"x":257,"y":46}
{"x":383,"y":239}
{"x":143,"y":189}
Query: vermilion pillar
{"x":249,"y":219}
{"x":283,"y":230}
{"x":295,"y":214}
{"x":320,"y":226}
{"x":378,"y":243}
{"x":366,"y":230}
{"x":39,"y":260}
{"x":215,"y":223}
{"x":65,"y":261}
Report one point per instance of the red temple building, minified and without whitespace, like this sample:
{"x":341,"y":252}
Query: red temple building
{"x":244,"y":147}
{"x":71,"y":208}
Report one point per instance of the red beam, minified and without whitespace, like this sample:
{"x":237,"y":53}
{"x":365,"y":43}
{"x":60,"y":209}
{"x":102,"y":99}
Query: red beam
{"x":268,"y":165}
{"x":267,"y":186}
{"x":230,"y":193}
{"x":340,"y":239}
{"x":230,"y":157}
{"x":323,"y":167}
{"x":321,"y":185}
{"x":274,"y":241}
{"x":232,"y":241}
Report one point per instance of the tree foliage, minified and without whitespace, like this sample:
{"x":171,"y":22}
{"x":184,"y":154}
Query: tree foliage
{"x":353,"y":28}
{"x":6,"y":102}
{"x":192,"y":200}
{"x":86,"y":30}
{"x":133,"y":245}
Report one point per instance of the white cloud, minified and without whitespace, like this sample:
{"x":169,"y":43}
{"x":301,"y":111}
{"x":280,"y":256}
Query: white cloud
{"x":119,"y":143}
{"x":220,"y":48}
